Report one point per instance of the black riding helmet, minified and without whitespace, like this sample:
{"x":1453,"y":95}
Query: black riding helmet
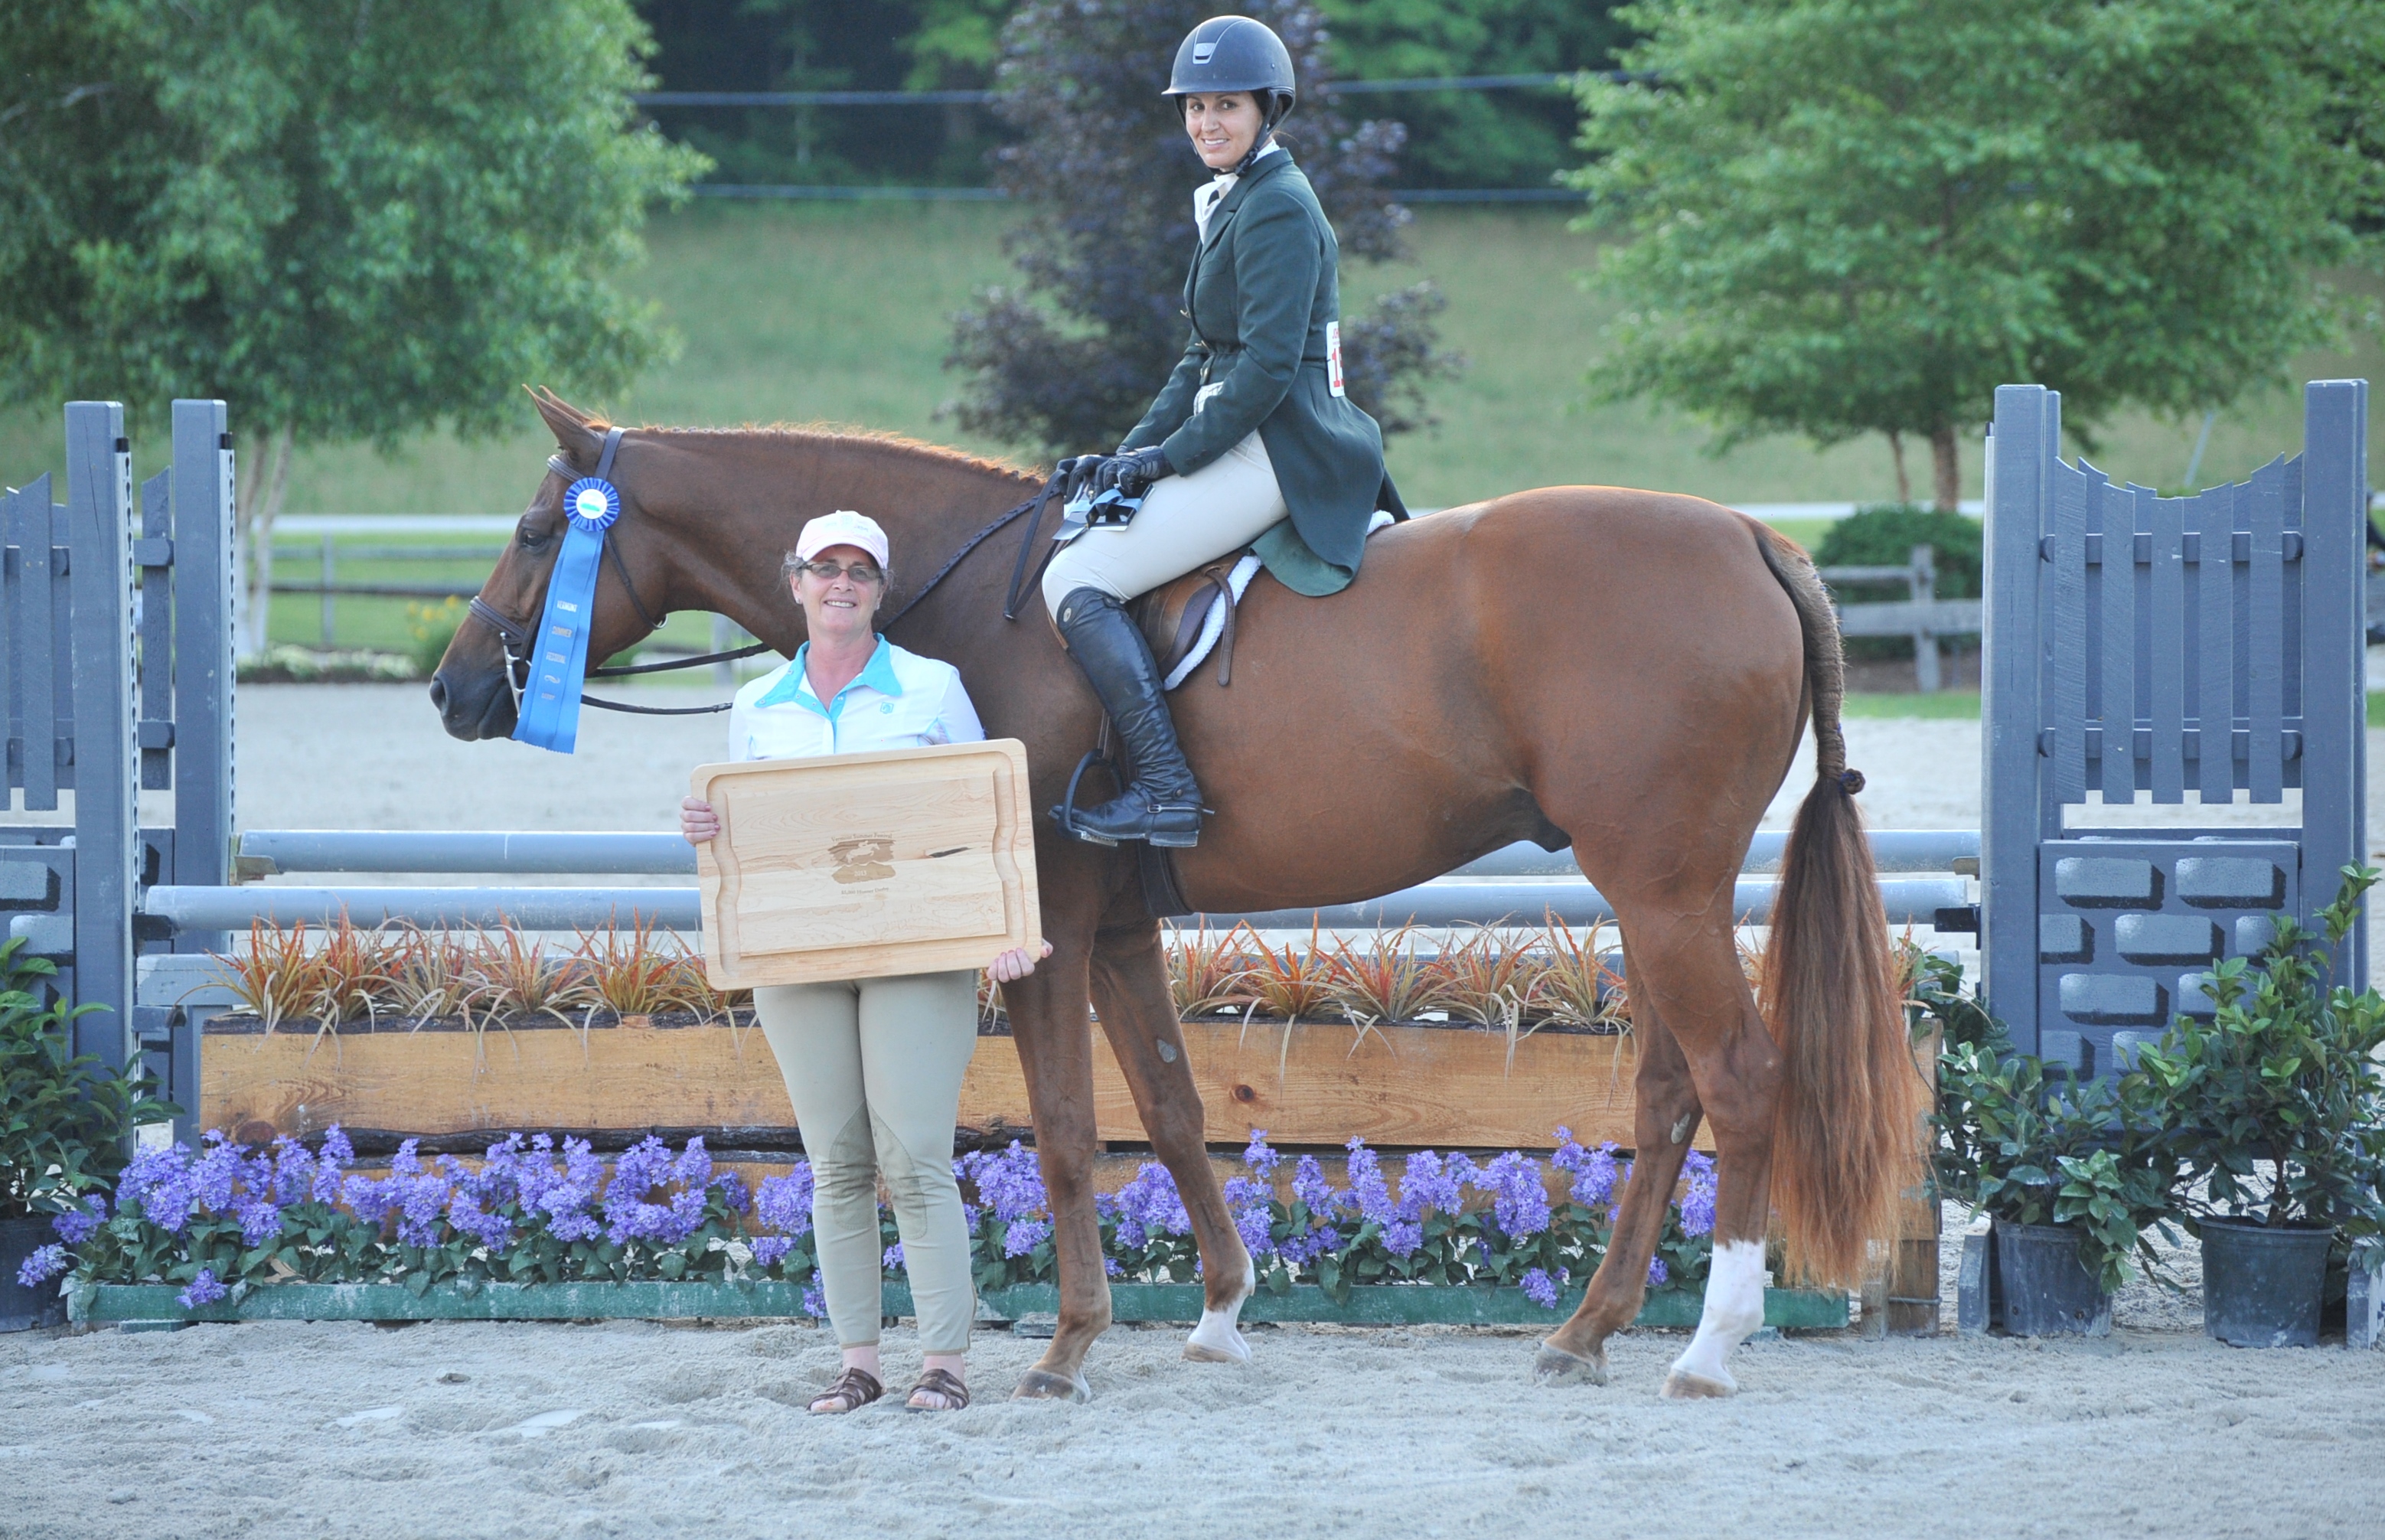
{"x":1235,"y":53}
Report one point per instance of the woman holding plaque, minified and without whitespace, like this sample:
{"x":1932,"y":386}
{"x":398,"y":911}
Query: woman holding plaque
{"x":873,"y":1066}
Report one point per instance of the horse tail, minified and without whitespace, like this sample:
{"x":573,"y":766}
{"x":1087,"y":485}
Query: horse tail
{"x":1846,"y":1145}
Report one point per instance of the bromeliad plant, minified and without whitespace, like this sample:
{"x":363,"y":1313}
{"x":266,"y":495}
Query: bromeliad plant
{"x":2029,"y":1144}
{"x":2278,"y":1099}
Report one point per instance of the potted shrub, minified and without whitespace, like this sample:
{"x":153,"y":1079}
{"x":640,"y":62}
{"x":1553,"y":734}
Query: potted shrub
{"x":64,"y":1123}
{"x":2073,"y":1174}
{"x":2276,"y":1108}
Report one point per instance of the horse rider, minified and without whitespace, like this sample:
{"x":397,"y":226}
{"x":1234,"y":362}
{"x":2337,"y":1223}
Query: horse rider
{"x":1252,"y":442}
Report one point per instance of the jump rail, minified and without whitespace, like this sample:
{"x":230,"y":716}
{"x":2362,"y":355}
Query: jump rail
{"x":1470,"y":895}
{"x":273,"y":852}
{"x":1940,"y":902}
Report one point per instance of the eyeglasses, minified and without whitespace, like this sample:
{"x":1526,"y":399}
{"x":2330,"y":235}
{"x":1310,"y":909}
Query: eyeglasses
{"x":829,"y":571}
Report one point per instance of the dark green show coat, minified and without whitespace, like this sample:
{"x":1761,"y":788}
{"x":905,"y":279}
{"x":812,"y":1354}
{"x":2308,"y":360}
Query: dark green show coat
{"x":1262,"y":288}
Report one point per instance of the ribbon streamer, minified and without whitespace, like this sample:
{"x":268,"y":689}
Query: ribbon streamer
{"x":549,"y":717}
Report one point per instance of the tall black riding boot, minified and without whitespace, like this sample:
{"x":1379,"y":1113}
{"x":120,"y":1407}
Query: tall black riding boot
{"x":1161,"y":803}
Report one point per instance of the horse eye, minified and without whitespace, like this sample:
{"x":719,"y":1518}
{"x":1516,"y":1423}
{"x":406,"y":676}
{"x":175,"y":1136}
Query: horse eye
{"x":531,"y":539}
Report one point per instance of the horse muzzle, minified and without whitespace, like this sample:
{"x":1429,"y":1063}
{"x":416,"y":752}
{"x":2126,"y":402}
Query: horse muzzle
{"x":473,"y":705}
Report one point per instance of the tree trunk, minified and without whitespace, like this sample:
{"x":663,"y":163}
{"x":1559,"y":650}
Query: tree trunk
{"x":263,"y":481}
{"x":1897,"y":452}
{"x":1946,"y":470}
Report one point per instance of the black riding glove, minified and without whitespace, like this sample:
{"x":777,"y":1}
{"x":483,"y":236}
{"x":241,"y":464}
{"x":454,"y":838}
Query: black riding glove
{"x":1077,"y":476}
{"x":1133,"y":470}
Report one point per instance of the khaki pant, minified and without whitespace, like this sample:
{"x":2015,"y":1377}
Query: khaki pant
{"x":874,"y":1069}
{"x":1184,"y":521}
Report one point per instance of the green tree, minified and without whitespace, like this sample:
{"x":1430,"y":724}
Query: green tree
{"x":1862,"y":216}
{"x":351,"y":221}
{"x":1501,"y":138}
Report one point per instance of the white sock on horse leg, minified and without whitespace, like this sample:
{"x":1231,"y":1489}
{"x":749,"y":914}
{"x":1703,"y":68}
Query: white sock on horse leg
{"x":1734,"y":1309}
{"x":1219,"y":1338}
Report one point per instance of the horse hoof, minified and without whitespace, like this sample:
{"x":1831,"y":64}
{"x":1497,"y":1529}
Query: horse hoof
{"x":1681,"y":1386}
{"x":1042,"y":1384}
{"x":1554,"y":1366}
{"x":1230,"y":1348}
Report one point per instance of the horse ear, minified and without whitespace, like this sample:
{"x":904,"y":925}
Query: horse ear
{"x":579,"y":442}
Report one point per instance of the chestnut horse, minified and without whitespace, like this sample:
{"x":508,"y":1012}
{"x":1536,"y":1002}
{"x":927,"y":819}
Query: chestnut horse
{"x":1626,"y":671}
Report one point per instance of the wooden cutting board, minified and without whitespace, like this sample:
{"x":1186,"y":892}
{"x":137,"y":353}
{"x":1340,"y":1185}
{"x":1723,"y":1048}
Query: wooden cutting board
{"x":861,"y":865}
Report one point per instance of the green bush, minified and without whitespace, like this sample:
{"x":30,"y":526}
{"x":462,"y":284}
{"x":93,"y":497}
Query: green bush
{"x":1884,"y":535}
{"x":65,"y":1118}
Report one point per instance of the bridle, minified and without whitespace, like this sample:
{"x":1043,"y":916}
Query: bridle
{"x":514,"y":637}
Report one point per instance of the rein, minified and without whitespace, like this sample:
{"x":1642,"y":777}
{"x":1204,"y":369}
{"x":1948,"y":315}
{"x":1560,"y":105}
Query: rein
{"x":515,"y":639}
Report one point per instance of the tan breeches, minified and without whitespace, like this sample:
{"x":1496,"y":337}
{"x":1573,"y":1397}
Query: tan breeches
{"x":1184,"y":521}
{"x":874,"y":1068}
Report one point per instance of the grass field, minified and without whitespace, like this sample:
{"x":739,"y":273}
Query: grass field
{"x":802,"y":313}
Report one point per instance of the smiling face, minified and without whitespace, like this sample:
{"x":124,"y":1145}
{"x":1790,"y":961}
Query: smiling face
{"x":1223,"y":125}
{"x":840,"y":608}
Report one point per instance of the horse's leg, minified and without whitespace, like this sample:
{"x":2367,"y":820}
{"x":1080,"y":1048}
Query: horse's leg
{"x":1129,"y":981}
{"x":1056,"y":1050}
{"x":1665,"y":1117}
{"x":1683,"y":957}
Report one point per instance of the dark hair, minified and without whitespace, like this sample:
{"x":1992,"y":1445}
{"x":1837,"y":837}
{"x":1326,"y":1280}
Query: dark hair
{"x":1274,"y":106}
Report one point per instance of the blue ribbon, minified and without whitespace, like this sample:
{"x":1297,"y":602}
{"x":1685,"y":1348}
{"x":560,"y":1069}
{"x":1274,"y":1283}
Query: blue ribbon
{"x":549,"y":717}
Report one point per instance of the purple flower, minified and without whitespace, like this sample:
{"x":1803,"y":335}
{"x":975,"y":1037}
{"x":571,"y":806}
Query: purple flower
{"x":1110,"y":1268}
{"x":157,"y":1183}
{"x":1698,"y":1210}
{"x":814,"y":1305}
{"x":337,"y":1151}
{"x":770,"y":1250}
{"x":892,"y":1258}
{"x":45,"y":1264}
{"x":784,"y":1203}
{"x":1257,"y":1157}
{"x":1540,"y":1288}
{"x":1519,"y":1199}
{"x":1369,"y":1191}
{"x":566,"y":1198}
{"x":1252,"y":1201}
{"x":1593,"y":1170}
{"x":82,"y":1222}
{"x":204,"y":1290}
{"x":693,"y":1166}
{"x":1024,"y":1236}
{"x":1011,"y":1182}
{"x":1428,"y":1183}
{"x":1402,"y":1237}
{"x":1658,"y":1272}
{"x":259,"y":1220}
{"x":734,"y":1194}
{"x":414,"y":1195}
{"x":1309,"y":1186}
{"x":1150,"y":1205}
{"x":630,"y":1213}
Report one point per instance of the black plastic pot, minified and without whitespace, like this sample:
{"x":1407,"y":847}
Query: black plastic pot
{"x":22,"y":1308}
{"x":2261,"y":1284}
{"x":2047,"y":1292}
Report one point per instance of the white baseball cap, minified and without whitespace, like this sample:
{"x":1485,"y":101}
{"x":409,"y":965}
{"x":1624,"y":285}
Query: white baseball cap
{"x":843,"y":526}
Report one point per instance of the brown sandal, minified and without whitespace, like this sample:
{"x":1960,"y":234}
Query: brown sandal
{"x":937,"y":1382}
{"x":852,"y":1390}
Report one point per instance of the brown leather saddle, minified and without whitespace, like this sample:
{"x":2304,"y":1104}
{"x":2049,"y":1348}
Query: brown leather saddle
{"x":1173,"y":614}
